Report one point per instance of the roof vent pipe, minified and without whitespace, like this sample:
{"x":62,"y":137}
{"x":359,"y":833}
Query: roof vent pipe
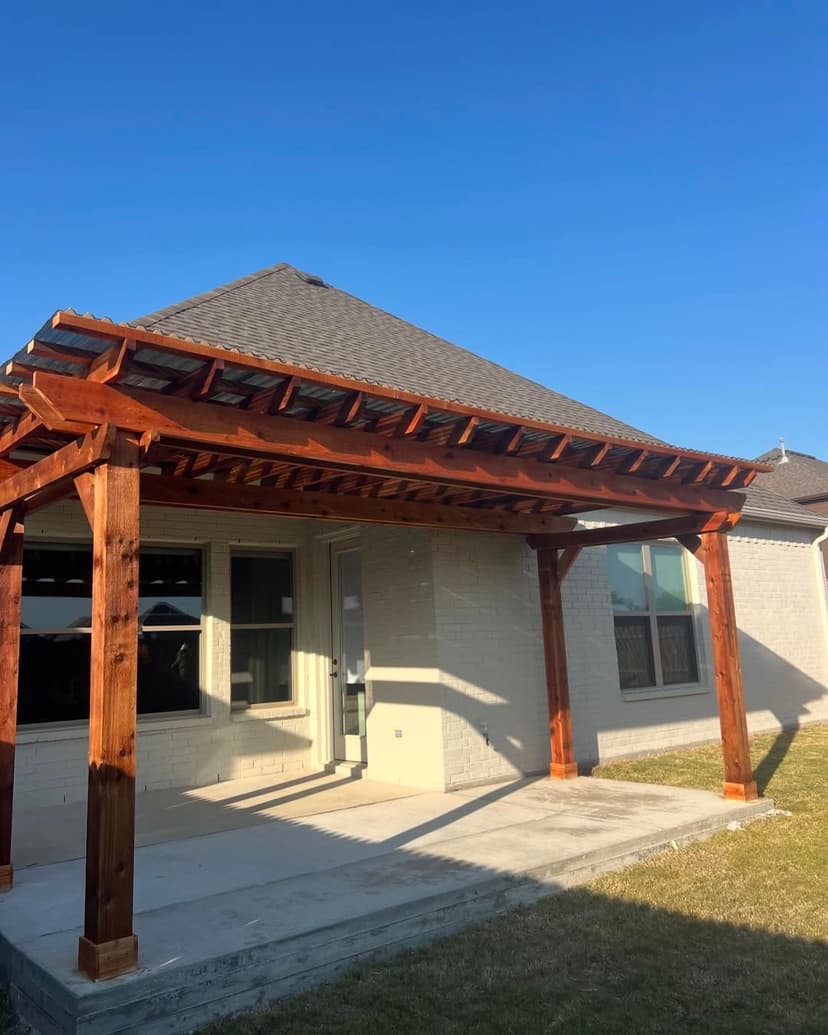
{"x":783,"y":459}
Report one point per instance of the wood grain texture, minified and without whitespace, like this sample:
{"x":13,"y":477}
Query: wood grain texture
{"x":194,"y":493}
{"x":563,"y":765}
{"x":637,"y":532}
{"x":347,"y":449}
{"x":110,"y":834}
{"x":57,"y":469}
{"x":11,"y":588}
{"x":739,"y":783}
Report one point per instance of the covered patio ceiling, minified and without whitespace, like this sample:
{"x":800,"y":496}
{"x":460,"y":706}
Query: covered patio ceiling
{"x":294,"y":441}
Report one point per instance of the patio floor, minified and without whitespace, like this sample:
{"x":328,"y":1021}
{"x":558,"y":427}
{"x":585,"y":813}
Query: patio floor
{"x":251,"y":890}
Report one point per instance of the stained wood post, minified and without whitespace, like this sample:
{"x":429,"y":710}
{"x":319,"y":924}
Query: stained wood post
{"x":109,"y":946}
{"x":11,"y":589}
{"x":739,"y":783}
{"x":563,"y":765}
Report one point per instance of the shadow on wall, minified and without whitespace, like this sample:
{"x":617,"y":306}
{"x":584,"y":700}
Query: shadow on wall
{"x":508,"y":718}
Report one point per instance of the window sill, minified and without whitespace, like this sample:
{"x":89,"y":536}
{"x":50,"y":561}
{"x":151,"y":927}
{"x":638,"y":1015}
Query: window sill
{"x":656,"y":692}
{"x":268,"y":711}
{"x":46,"y":732}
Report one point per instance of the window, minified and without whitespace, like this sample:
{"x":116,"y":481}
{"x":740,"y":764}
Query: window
{"x":262,"y":628}
{"x":56,"y":622}
{"x":654,"y":631}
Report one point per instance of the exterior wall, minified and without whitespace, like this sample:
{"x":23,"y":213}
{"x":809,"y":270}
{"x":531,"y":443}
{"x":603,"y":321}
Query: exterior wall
{"x":405,"y":695}
{"x":491,"y":667}
{"x":495,"y":720}
{"x":455,"y":681}
{"x":780,"y":610}
{"x":187,"y":749}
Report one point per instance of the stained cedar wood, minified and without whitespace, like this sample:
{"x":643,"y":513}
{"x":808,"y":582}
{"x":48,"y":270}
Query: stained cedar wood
{"x":638,"y":532}
{"x":251,"y":434}
{"x":566,"y":559}
{"x":66,"y":320}
{"x":11,"y":583}
{"x":563,"y":765}
{"x":108,"y":945}
{"x":739,"y":783}
{"x":198,"y":494}
{"x":57,"y":468}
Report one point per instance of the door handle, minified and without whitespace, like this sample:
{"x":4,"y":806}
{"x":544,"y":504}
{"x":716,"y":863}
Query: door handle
{"x":334,"y":674}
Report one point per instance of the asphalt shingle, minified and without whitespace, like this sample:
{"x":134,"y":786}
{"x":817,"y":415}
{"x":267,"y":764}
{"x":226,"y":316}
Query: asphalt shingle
{"x":285,"y":315}
{"x":802,"y":477}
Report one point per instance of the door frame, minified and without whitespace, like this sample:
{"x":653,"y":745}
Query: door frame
{"x":346,"y":747}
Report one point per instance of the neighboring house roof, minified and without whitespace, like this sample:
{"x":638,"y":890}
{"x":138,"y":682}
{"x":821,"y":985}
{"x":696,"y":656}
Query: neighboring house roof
{"x":802,"y":477}
{"x":762,"y":504}
{"x":283,"y":314}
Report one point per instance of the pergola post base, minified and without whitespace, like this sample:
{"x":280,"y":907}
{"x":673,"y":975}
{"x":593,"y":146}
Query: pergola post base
{"x":563,"y":770}
{"x":109,"y":959}
{"x":741,"y":791}
{"x":6,"y":877}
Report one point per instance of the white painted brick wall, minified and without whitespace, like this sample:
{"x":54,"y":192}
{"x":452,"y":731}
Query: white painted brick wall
{"x":488,"y":628}
{"x":50,"y":763}
{"x":452,"y":643}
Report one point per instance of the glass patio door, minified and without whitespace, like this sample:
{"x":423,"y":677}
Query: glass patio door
{"x":348,"y":654}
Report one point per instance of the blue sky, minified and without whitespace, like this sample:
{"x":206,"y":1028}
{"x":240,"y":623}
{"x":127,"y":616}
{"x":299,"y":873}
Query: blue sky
{"x":626,"y":202}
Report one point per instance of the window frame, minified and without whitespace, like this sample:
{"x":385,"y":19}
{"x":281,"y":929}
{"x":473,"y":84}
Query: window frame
{"x":181,"y":713}
{"x":652,"y":613}
{"x":240,"y":708}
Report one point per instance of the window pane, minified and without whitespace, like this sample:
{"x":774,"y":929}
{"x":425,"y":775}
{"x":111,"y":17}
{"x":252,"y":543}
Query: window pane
{"x":633,"y":644}
{"x":170,"y":587}
{"x":168,"y":671}
{"x":678,"y":649}
{"x":626,"y":576}
{"x":262,"y":588}
{"x":57,"y":587}
{"x":54,"y":678}
{"x":352,"y":660}
{"x":261,"y":665}
{"x":668,"y":579}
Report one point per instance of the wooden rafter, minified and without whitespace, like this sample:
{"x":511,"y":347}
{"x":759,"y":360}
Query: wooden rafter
{"x":67,"y":320}
{"x":237,"y":431}
{"x":199,"y":494}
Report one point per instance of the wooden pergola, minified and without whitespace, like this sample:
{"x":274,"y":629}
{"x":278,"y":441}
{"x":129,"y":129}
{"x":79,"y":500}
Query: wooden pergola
{"x":120,"y":416}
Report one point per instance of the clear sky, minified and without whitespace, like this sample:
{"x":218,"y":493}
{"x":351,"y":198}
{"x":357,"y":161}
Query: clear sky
{"x":625,"y":201}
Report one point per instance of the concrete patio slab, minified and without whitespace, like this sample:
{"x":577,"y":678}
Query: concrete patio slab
{"x":231,"y":915}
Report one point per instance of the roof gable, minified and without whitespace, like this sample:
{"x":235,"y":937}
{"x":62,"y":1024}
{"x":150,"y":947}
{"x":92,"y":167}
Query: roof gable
{"x":283,"y":314}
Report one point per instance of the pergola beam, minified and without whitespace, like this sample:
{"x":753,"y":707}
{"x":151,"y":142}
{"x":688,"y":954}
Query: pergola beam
{"x":200,"y":494}
{"x":251,"y":434}
{"x":638,"y":532}
{"x":54,"y":473}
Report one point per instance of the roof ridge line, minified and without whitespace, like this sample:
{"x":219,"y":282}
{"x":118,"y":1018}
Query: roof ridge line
{"x":196,"y":300}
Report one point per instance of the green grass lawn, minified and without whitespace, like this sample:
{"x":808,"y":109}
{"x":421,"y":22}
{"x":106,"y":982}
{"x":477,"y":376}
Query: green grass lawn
{"x":729,"y":935}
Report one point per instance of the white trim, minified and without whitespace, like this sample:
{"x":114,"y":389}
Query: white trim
{"x":258,"y":712}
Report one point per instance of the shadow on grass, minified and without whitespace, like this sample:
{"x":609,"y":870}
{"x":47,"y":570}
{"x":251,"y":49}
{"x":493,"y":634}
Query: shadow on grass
{"x":580,"y":962}
{"x":773,"y":759}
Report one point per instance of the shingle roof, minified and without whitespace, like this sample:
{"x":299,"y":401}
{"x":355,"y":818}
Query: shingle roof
{"x":802,"y":477}
{"x":764,"y":505}
{"x":283,"y":314}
